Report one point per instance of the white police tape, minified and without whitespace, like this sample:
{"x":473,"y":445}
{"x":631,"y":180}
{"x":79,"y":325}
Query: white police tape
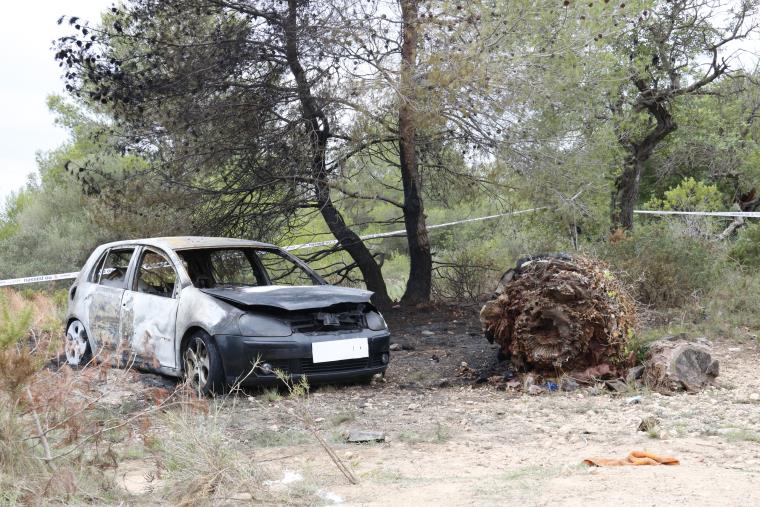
{"x":744,"y":214}
{"x":41,"y":278}
{"x":402,"y":232}
{"x":399,"y":233}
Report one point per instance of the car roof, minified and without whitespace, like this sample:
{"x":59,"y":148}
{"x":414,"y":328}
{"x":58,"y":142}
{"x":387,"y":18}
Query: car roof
{"x":190,"y":242}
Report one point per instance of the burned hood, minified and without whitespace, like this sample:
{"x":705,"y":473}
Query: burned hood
{"x":290,"y":298}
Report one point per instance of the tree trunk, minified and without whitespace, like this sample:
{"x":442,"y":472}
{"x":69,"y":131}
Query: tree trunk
{"x":319,"y":127}
{"x":626,"y":193}
{"x":421,"y":263}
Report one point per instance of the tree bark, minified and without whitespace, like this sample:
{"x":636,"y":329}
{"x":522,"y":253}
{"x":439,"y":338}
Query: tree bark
{"x":421,"y":264}
{"x":626,"y":192}
{"x":319,"y":130}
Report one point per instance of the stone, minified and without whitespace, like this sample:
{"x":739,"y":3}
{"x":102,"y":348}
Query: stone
{"x":649,"y":423}
{"x":679,"y":365}
{"x":358,"y":436}
{"x":616,"y":386}
{"x":395,"y":347}
{"x":634,"y":374}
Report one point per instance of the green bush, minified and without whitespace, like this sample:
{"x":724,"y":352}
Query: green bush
{"x":689,"y":195}
{"x":746,"y":250}
{"x":665,"y":266}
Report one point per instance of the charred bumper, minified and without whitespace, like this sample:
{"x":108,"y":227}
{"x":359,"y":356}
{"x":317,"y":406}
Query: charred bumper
{"x":293,"y":355}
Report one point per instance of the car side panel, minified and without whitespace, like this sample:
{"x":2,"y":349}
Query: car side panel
{"x":199,"y":310}
{"x":148,"y":324}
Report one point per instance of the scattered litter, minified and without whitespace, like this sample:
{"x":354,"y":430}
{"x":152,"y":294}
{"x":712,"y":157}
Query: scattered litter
{"x":329,"y":496}
{"x":288,"y":477}
{"x":535,"y":390}
{"x":358,"y":436}
{"x":395,"y":346}
{"x":633,"y":400}
{"x":634,"y":458}
{"x":428,"y":333}
{"x":568,"y":384}
{"x":551,"y":386}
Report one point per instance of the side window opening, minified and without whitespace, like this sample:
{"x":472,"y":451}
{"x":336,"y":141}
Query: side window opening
{"x":113,"y":271}
{"x":156,"y":275}
{"x":97,"y":269}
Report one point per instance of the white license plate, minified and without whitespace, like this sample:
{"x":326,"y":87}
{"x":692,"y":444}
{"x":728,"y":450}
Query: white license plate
{"x":338,"y":350}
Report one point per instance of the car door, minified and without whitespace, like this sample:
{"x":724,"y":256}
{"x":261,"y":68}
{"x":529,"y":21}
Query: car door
{"x":104,"y":308}
{"x":149,"y":310}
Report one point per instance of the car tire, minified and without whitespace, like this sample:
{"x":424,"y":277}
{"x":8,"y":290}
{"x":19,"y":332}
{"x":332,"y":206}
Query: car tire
{"x":203,"y":365}
{"x":77,"y":345}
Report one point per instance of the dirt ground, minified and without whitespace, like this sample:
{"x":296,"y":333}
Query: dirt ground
{"x":453,"y":441}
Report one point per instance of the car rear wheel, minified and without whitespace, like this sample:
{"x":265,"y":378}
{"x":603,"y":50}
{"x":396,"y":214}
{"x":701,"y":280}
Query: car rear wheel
{"x":203,"y":365}
{"x":77,"y":345}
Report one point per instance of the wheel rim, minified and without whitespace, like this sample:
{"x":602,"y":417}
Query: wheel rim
{"x":197,"y":364}
{"x":76,"y":343}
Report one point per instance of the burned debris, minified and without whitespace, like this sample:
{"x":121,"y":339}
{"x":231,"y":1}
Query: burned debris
{"x":556,"y":313}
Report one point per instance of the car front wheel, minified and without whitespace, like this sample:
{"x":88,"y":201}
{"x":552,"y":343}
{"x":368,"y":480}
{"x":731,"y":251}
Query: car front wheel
{"x":203,"y":365}
{"x":77,"y":346}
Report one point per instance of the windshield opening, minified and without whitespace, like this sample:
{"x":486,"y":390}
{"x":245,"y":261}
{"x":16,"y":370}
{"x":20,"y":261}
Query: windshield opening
{"x":246,"y":267}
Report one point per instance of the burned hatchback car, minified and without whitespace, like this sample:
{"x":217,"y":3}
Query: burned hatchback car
{"x":212,"y":308}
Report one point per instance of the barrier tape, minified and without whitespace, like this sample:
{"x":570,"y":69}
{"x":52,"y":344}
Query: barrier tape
{"x":745,"y":214}
{"x":402,"y":232}
{"x":41,"y":278}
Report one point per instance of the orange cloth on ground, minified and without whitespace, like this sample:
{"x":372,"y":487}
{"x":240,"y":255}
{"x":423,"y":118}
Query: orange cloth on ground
{"x":634,"y":458}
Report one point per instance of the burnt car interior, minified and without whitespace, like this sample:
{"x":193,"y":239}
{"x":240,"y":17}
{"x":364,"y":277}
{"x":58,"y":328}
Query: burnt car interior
{"x":112,"y":269}
{"x":156,"y":275}
{"x":250,"y":267}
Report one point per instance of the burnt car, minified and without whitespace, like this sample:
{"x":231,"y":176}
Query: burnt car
{"x":221,"y":312}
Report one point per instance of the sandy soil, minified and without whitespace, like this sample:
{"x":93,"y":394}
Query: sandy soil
{"x":451,"y":441}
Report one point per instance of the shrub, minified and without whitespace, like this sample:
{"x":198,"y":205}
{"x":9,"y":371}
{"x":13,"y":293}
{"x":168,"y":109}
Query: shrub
{"x":746,"y":250}
{"x":665,"y":266}
{"x":467,"y":274}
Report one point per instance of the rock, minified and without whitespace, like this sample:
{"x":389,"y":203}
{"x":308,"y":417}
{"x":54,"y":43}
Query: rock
{"x":634,"y":374}
{"x":677,"y":365}
{"x":616,"y":385}
{"x":395,"y":347}
{"x":649,"y":423}
{"x":358,"y":436}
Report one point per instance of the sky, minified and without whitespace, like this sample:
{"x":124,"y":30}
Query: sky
{"x":28,"y":74}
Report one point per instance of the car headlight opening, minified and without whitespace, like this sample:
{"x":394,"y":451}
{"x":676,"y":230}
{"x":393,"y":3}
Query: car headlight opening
{"x":375,"y":321}
{"x":258,"y":325}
